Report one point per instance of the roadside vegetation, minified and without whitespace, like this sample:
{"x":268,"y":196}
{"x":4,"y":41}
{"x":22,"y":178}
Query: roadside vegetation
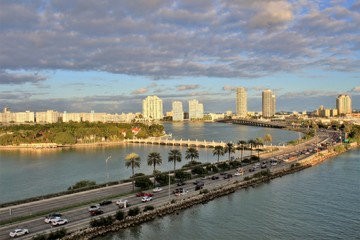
{"x":74,"y":132}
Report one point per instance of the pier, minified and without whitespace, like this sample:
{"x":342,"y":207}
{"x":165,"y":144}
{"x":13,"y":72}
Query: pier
{"x":255,"y":123}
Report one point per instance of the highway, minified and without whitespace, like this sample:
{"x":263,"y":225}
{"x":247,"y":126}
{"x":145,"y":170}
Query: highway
{"x":79,"y":217}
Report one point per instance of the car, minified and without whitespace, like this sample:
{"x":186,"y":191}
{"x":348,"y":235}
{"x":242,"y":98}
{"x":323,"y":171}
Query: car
{"x":257,"y":164}
{"x":122,"y":203}
{"x":238,"y":173}
{"x":263,"y":166}
{"x":214,"y":177}
{"x":198,"y":182}
{"x":51,"y":216}
{"x":181,"y":183}
{"x":157,"y":189}
{"x":177,"y":190}
{"x":96,"y":212}
{"x":181,"y":192}
{"x":94,"y":207}
{"x":105,"y":202}
{"x":198,"y":187}
{"x":146,"y":199}
{"x":252,"y":169}
{"x":143,"y":194}
{"x":59,"y":221}
{"x":228,"y":176}
{"x":19,"y":232}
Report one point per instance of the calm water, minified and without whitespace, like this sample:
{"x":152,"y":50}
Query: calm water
{"x":29,"y":173}
{"x":318,"y":203}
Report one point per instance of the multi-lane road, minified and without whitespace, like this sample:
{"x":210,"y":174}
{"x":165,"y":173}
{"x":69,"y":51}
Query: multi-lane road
{"x":79,"y":217}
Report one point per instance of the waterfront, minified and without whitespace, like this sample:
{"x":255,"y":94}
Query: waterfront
{"x":29,"y":173}
{"x":321,"y":202}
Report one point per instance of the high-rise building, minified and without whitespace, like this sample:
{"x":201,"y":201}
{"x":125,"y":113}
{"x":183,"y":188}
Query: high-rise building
{"x":268,"y":103}
{"x":152,"y":108}
{"x":343,"y":104}
{"x":241,"y":102}
{"x":177,"y":110}
{"x":196,"y":110}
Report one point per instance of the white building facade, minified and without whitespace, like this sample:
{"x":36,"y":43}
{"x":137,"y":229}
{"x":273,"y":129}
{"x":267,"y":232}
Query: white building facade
{"x":241,"y":102}
{"x":177,"y":111}
{"x":152,"y":108}
{"x":196,"y":110}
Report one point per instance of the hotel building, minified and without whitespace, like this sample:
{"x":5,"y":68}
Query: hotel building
{"x":152,"y":108}
{"x":241,"y":102}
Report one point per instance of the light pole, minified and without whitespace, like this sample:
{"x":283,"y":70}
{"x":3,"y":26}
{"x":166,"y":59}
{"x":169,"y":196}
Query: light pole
{"x":107,"y":171}
{"x":169,"y":185}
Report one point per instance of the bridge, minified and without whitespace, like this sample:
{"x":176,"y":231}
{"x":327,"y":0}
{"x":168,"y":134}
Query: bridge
{"x":174,"y":142}
{"x":256,"y":123}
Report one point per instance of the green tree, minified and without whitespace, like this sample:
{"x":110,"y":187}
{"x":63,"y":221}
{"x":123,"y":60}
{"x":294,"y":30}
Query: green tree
{"x":191,"y":153}
{"x":230,"y":148}
{"x":242,"y":145}
{"x":174,"y":156}
{"x":154,"y":159}
{"x":258,"y":144}
{"x":218,"y":150}
{"x":132,"y":160}
{"x":143,"y":182}
{"x":251,"y":144}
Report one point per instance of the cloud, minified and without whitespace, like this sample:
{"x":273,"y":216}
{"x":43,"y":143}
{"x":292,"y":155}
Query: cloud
{"x":16,"y":78}
{"x":355,"y":89}
{"x":140,"y":91}
{"x":229,"y":88}
{"x":187,"y":87}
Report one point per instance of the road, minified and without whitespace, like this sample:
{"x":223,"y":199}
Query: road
{"x":79,"y":217}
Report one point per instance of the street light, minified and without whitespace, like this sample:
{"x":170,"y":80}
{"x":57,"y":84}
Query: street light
{"x":107,"y":170}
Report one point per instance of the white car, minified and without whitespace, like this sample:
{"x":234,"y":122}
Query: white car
{"x":157,"y":189}
{"x":52,"y":216}
{"x":122,"y":203}
{"x":50,"y":219}
{"x":181,"y":192}
{"x":146,"y":199}
{"x":94,"y":207}
{"x":59,"y":221}
{"x":238,"y":173}
{"x":19,"y":232}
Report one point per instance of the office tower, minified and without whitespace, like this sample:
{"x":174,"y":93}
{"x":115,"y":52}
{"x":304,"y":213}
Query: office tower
{"x":196,"y":110}
{"x":152,"y":108}
{"x":241,"y":102}
{"x":177,"y":110}
{"x":268,"y":103}
{"x":343,"y":104}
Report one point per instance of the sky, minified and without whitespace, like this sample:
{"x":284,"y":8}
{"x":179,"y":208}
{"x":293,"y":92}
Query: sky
{"x":107,"y":56}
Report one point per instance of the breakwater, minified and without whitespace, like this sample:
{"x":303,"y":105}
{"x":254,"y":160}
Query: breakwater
{"x":171,"y":208}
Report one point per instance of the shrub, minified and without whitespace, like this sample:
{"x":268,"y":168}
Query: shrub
{"x":143,"y":182}
{"x":40,"y":237}
{"x":173,"y":201}
{"x":204,"y":191}
{"x":182,"y":175}
{"x":148,"y":208}
{"x":247,"y":178}
{"x":191,"y":164}
{"x":223,"y":166}
{"x":234,"y":164}
{"x":254,"y":158}
{"x":57,"y":234}
{"x":134,"y":211}
{"x":163,"y":179}
{"x":120,"y":215}
{"x":82,"y":184}
{"x":246,"y":160}
{"x":199,"y":170}
{"x":212,"y":168}
{"x":102,"y":221}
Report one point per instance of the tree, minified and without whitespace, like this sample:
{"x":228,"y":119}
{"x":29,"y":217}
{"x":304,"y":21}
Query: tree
{"x":218,"y":150}
{"x":154,"y":159}
{"x":267,"y":139}
{"x":242,"y":145}
{"x":132,"y":160}
{"x":230,"y":149}
{"x":191,"y":153}
{"x":174,"y":156}
{"x":258,"y":144}
{"x":143,"y":182}
{"x":252,"y":144}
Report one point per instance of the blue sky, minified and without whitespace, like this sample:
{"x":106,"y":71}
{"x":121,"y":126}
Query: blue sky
{"x":107,"y":56}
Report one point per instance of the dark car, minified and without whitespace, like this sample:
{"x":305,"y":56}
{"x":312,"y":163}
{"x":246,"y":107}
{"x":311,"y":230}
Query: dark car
{"x":214,"y":177}
{"x":178,"y":190}
{"x":96,"y":212}
{"x":252,"y":170}
{"x":198,"y":187}
{"x":181,"y":183}
{"x":228,"y":176}
{"x":105,"y":202}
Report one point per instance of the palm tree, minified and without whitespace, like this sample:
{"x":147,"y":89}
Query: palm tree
{"x":191,"y":153}
{"x":132,"y":160}
{"x":258,"y":143}
{"x":268,"y":140}
{"x":230,"y":148}
{"x":242,"y":144}
{"x":154,"y":159}
{"x":218,"y":150}
{"x":252,"y":144}
{"x":174,"y":156}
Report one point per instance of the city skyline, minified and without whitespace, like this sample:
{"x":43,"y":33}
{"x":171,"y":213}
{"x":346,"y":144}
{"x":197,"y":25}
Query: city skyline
{"x":76,"y":56}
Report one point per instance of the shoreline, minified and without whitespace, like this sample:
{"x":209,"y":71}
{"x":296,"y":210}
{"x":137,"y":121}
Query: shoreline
{"x":200,"y":198}
{"x":59,"y":147}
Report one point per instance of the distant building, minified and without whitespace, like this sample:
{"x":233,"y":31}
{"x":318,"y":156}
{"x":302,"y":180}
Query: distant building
{"x":152,"y":108}
{"x":241,"y":102}
{"x":343,"y":104}
{"x":196,"y":110}
{"x":49,"y":116}
{"x":268,"y":103}
{"x":177,"y":110}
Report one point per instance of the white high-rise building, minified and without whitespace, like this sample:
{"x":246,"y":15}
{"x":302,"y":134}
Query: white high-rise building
{"x":268,"y":103}
{"x":152,"y":108}
{"x":343,"y":104}
{"x":177,"y":110}
{"x":241,"y":102}
{"x":196,"y":110}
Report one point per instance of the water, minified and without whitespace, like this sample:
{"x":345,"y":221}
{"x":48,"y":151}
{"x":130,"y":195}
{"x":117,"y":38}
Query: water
{"x":321,"y":202}
{"x":29,"y":173}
